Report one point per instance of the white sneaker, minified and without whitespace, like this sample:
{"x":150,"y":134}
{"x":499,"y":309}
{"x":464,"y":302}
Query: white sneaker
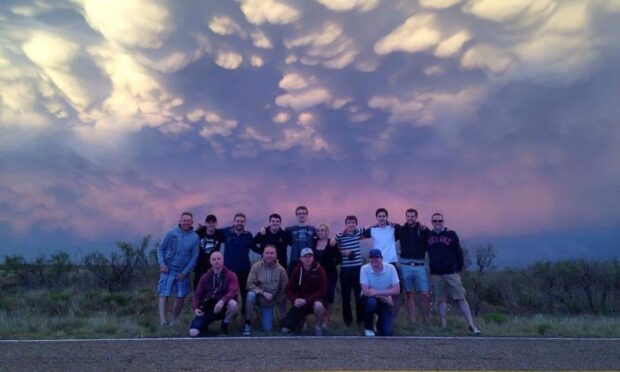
{"x":369,"y":333}
{"x":247,"y":330}
{"x":474,"y":330}
{"x":318,"y":331}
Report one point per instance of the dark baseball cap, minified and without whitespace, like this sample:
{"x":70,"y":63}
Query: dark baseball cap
{"x":211,"y":218}
{"x":375,"y":253}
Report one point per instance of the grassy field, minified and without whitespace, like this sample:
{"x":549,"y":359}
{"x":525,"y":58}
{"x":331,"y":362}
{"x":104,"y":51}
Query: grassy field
{"x":114,"y":296}
{"x":98,"y":313}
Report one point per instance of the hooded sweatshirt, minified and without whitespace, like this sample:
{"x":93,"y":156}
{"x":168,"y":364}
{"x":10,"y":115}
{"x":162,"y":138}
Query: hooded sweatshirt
{"x":445,"y":255}
{"x":178,"y":250}
{"x":272,"y":279}
{"x":309,"y":285}
{"x":223,"y":286}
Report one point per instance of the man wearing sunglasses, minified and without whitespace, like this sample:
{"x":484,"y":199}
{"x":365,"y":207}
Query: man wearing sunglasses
{"x":445,"y":257}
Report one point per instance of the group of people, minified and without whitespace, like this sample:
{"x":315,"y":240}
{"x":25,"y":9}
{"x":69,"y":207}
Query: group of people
{"x":302,"y":264}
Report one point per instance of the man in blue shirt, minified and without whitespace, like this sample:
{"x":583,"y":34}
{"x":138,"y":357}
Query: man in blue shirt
{"x":379,"y":283}
{"x":237,"y":245}
{"x":176,"y":255}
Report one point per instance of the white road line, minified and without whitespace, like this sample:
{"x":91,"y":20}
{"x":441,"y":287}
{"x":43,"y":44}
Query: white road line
{"x":326,"y":338}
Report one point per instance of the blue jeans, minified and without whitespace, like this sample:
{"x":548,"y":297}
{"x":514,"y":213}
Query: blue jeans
{"x":202,"y":322}
{"x":373,"y":306}
{"x":266,"y":312}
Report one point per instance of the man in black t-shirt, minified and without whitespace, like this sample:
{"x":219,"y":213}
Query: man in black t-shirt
{"x":210,"y":241}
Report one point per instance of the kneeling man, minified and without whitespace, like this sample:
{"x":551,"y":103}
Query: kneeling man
{"x":379,"y":283}
{"x":267,"y":285}
{"x":306,"y":290}
{"x":215,"y":297}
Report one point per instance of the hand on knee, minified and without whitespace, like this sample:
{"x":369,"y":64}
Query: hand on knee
{"x":318,"y":308}
{"x":232,"y":306}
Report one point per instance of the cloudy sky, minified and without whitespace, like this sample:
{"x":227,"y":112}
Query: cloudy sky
{"x":117,"y":115}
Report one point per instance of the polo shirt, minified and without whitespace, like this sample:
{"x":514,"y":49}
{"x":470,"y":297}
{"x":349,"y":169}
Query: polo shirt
{"x":380,"y":281}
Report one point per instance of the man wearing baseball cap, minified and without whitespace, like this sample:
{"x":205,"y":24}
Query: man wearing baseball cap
{"x":306,"y":290}
{"x":379,"y":283}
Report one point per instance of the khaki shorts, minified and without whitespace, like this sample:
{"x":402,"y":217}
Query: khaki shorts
{"x":448,"y":283}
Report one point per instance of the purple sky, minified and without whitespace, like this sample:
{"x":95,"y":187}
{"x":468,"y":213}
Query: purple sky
{"x":117,"y":115}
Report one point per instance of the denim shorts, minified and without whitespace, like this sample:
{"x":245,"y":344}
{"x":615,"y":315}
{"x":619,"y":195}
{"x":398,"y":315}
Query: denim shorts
{"x":414,"y":277}
{"x":169,"y":285}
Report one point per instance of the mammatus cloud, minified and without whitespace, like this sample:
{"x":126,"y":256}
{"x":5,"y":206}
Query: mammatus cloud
{"x":142,"y":105}
{"x":509,"y":10}
{"x":303,"y":100}
{"x":261,"y":41}
{"x":268,"y":11}
{"x":424,"y":108}
{"x":452,"y":45}
{"x":55,"y":55}
{"x":348,"y":5}
{"x":418,"y":33}
{"x":228,"y":60}
{"x":487,"y":57}
{"x":141,"y":23}
{"x":223,"y":25}
{"x":327,"y":45}
{"x":281,"y":117}
{"x":293,"y":81}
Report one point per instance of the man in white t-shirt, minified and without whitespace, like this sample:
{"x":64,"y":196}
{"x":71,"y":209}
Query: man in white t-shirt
{"x":379,"y":283}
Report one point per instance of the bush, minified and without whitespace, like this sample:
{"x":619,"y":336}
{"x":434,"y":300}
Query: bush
{"x":123,"y":269}
{"x":495,"y":318}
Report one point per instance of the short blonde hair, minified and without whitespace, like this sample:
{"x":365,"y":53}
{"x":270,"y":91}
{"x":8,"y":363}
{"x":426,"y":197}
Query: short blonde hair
{"x":324,"y":226}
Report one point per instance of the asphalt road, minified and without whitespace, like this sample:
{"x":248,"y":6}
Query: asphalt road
{"x":312,"y":353}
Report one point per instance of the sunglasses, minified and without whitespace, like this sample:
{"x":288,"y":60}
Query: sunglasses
{"x":437,"y":221}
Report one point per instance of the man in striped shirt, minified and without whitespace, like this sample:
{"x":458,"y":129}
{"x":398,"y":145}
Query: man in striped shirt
{"x":349,"y":244}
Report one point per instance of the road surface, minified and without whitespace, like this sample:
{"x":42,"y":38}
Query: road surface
{"x":312,"y":353}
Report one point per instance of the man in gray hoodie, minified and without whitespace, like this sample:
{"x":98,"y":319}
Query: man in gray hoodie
{"x":267,"y":286}
{"x":176,"y":255}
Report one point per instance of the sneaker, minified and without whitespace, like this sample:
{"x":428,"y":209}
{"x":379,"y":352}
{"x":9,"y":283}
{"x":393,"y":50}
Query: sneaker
{"x":285,"y":331}
{"x":369,"y":333}
{"x":247,"y":330}
{"x":474,"y":330}
{"x":318,"y":331}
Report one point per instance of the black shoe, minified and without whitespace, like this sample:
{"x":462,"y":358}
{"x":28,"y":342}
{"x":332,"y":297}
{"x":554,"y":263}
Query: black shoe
{"x":224,"y":329}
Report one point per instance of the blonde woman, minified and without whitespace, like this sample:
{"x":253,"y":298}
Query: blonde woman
{"x":327,"y":254}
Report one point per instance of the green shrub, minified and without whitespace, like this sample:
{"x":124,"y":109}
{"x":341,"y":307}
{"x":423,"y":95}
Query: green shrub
{"x":543,"y":328}
{"x":60,"y":296}
{"x":116,"y":298}
{"x":495,"y":318}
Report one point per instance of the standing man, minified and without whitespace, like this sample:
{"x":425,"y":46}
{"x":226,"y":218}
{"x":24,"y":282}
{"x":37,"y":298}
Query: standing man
{"x":445,"y":257}
{"x":176,"y":256}
{"x":379,"y":283}
{"x":349,"y":244}
{"x":237,"y":245}
{"x":306,"y":290}
{"x":276,"y":236}
{"x":210,"y":241}
{"x":215,"y":297}
{"x":384,"y":236}
{"x":302,"y":236}
{"x":267,"y":285}
{"x":413,"y":265}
